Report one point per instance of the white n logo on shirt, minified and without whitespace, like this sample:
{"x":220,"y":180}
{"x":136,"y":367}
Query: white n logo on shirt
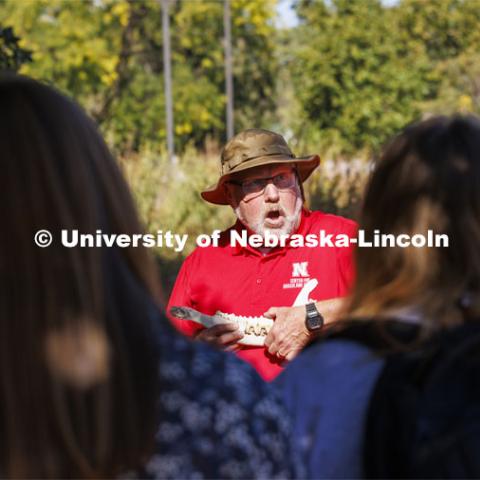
{"x":300,"y":269}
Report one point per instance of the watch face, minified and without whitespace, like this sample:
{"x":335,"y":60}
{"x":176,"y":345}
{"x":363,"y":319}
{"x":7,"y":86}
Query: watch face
{"x":314,"y":323}
{"x":314,"y":320}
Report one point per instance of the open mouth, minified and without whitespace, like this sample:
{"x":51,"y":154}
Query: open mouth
{"x":274,"y":219}
{"x":273,"y":215}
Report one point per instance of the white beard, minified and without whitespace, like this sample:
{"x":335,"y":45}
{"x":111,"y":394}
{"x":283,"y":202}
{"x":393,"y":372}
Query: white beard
{"x":290,"y":225}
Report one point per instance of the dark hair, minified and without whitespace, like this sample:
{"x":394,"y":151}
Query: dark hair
{"x":428,"y":178}
{"x":78,"y":366}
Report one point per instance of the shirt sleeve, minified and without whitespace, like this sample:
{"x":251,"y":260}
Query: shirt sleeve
{"x":181,"y":297}
{"x":346,"y":260}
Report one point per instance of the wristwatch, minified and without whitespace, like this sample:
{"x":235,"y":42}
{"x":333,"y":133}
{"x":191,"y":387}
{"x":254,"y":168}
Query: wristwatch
{"x":313,"y":319}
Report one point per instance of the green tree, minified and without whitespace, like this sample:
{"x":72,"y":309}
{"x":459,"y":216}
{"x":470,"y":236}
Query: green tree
{"x":449,"y":31}
{"x":358,"y":79}
{"x":362,"y":69}
{"x":108,"y":55}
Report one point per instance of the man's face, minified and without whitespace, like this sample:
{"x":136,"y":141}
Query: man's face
{"x":276,"y":207}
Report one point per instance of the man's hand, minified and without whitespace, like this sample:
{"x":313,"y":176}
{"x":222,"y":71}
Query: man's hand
{"x":289,"y":334}
{"x":223,"y":336}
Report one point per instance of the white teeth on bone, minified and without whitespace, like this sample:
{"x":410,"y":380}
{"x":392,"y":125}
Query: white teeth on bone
{"x":255,"y":329}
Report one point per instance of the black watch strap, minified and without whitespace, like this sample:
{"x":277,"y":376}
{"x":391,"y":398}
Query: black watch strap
{"x":313,"y":320}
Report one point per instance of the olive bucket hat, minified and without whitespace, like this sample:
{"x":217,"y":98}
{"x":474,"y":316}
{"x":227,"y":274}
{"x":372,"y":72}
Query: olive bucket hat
{"x":252,"y":148}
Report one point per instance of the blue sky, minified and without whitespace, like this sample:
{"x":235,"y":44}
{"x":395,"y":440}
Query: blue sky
{"x":287,"y":17}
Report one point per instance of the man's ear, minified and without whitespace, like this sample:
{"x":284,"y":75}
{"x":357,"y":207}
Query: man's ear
{"x":300,"y":184}
{"x":302,"y":191}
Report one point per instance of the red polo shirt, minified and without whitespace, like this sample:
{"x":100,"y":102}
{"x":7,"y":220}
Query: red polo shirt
{"x":243,"y":281}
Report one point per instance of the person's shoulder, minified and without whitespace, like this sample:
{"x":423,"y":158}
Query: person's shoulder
{"x":327,"y":388}
{"x":223,"y":405}
{"x":327,"y":362}
{"x":211,"y":378}
{"x":334,"y":353}
{"x":331,"y":222}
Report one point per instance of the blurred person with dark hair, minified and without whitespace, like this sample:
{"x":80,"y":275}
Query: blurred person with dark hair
{"x":95,"y":382}
{"x":409,"y":307}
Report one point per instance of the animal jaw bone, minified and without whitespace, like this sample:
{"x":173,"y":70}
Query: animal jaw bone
{"x":254,"y":329}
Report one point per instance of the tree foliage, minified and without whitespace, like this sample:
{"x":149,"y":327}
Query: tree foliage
{"x":108,"y":55}
{"x":364,"y":69}
{"x":449,"y":32}
{"x":350,"y":75}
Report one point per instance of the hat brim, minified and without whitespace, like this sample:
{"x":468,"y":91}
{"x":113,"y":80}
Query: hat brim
{"x":305,"y":166}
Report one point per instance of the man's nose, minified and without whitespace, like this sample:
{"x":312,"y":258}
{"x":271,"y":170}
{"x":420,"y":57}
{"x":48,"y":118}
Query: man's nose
{"x":271,"y":193}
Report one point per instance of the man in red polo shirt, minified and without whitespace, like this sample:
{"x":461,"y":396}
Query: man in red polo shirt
{"x":262,"y":181}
